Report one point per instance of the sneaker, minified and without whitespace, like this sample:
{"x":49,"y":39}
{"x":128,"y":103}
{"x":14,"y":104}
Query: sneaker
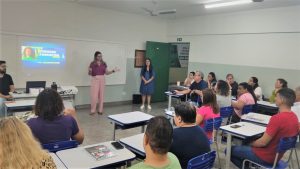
{"x":149,"y":107}
{"x":142,"y":107}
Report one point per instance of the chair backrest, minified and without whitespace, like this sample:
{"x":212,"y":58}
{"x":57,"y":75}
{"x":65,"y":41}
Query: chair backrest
{"x":217,"y":123}
{"x":204,"y":161}
{"x":247,"y":109}
{"x":212,"y":124}
{"x":226,"y":112}
{"x":209,"y":125}
{"x":62,"y":145}
{"x":286,"y":143}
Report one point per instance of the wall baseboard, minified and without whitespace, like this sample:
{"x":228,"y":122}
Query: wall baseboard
{"x":119,"y":103}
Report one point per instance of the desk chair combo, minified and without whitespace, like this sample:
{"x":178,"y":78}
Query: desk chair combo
{"x":204,"y":161}
{"x":58,"y":146}
{"x":285,"y":144}
{"x":213,"y":125}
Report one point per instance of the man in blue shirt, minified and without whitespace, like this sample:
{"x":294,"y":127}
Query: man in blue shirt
{"x":195,"y":89}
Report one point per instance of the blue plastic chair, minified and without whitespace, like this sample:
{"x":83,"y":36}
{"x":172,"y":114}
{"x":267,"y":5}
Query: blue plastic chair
{"x":213,"y":125}
{"x":285,"y":144}
{"x":248,"y":108}
{"x":297,"y":159}
{"x":204,"y":161}
{"x":226,"y":112}
{"x":58,"y":146}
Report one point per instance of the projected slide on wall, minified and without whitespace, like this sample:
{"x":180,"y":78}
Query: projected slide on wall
{"x":40,"y":53}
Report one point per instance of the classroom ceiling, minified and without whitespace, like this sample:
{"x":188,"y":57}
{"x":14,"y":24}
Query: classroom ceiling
{"x":184,"y":8}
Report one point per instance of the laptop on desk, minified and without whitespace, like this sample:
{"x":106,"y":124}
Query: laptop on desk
{"x":35,"y":84}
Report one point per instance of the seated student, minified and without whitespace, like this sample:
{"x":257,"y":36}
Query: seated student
{"x":53,"y":123}
{"x":211,"y":80}
{"x":189,"y":80}
{"x":6,"y":86}
{"x":283,"y":124}
{"x":296,"y":106}
{"x":223,"y":94}
{"x":19,"y":149}
{"x":157,"y":143}
{"x":253,"y":82}
{"x":233,"y":84}
{"x":195,"y":89}
{"x":279,"y":84}
{"x":245,"y":96}
{"x":208,"y":110}
{"x":189,"y":139}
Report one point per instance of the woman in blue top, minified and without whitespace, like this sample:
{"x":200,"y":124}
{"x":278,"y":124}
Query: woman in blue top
{"x":147,"y":83}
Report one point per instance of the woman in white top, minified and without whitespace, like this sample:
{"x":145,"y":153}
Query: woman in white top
{"x":223,"y":93}
{"x":253,"y":81}
{"x":190,"y":79}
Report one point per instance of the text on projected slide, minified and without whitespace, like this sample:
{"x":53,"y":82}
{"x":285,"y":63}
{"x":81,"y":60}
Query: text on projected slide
{"x":38,"y":53}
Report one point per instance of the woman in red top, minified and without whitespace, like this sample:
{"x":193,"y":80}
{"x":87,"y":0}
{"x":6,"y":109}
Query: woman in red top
{"x":97,"y":69}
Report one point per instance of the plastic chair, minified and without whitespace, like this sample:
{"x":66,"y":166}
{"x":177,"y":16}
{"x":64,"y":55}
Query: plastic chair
{"x":213,"y":125}
{"x":204,"y":161}
{"x":58,"y":146}
{"x":297,"y":159}
{"x":285,"y":144}
{"x":226,"y":112}
{"x":248,"y":108}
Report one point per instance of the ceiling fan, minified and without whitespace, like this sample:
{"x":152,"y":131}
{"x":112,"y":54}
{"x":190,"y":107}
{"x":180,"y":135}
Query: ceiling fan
{"x":154,"y":12}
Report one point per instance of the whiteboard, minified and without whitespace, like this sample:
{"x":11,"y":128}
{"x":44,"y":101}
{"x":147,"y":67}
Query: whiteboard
{"x":79,"y":54}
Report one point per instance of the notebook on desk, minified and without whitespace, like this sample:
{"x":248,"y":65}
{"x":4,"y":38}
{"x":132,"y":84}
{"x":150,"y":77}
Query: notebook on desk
{"x":100,"y":152}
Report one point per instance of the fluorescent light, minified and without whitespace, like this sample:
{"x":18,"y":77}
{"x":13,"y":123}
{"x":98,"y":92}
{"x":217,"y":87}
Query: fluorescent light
{"x":208,"y":1}
{"x":216,"y":5}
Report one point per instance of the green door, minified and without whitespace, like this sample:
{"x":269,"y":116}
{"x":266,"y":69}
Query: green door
{"x":159,"y":53}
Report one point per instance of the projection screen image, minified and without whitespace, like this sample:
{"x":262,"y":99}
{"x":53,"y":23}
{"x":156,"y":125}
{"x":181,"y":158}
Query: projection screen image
{"x":39,"y":53}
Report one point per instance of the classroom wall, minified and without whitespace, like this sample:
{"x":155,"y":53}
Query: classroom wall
{"x":177,"y":74}
{"x":263,"y":43}
{"x":69,"y":20}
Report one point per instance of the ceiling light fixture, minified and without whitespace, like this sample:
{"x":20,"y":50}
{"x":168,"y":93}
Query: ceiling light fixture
{"x":223,"y":4}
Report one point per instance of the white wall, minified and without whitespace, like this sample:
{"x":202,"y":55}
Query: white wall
{"x":267,"y":39}
{"x":225,"y":39}
{"x":69,"y":20}
{"x":284,"y":19}
{"x":77,"y":21}
{"x":244,"y":38}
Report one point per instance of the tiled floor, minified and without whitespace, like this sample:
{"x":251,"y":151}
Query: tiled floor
{"x":98,"y":128}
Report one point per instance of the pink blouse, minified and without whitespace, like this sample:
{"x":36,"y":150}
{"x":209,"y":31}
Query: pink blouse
{"x":247,"y":99}
{"x":207,"y":113}
{"x":98,"y":69}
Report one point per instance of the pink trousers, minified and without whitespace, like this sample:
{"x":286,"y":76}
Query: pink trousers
{"x":97,"y":92}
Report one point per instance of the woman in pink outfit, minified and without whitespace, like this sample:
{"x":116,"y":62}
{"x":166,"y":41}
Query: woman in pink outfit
{"x":208,"y":110}
{"x":97,"y":69}
{"x":245,"y":97}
